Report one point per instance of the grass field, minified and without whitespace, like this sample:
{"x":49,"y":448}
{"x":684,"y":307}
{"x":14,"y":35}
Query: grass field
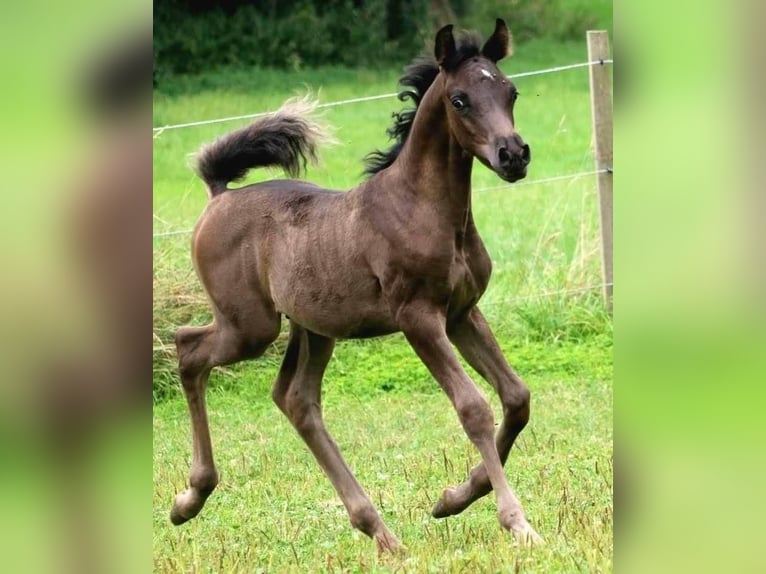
{"x":274,"y":510}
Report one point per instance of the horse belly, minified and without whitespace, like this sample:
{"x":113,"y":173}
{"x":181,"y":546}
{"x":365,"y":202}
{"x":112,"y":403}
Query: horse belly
{"x":338,"y":312}
{"x":330,"y":292}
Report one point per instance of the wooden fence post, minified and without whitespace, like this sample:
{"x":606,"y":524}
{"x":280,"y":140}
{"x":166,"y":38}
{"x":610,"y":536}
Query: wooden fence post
{"x":601,"y":108}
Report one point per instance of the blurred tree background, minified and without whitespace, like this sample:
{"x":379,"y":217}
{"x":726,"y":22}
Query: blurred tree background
{"x":194,"y":36}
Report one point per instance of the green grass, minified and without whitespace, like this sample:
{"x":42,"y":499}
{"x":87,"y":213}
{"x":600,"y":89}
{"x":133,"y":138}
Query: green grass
{"x":274,"y":510}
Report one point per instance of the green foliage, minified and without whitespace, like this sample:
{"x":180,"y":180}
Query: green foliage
{"x":301,"y":33}
{"x":560,"y":20}
{"x":295,"y":34}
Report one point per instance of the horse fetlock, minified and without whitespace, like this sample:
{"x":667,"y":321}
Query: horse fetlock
{"x":204,"y":480}
{"x":512,"y":519}
{"x":367,"y":520}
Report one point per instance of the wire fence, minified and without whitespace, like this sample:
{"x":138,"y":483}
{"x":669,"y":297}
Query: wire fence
{"x":160,"y":129}
{"x":546,"y":295}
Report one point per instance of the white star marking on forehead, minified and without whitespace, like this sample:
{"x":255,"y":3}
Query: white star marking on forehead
{"x":488,"y":73}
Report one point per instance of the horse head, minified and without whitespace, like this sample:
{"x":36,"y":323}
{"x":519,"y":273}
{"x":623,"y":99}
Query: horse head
{"x":479,"y":100}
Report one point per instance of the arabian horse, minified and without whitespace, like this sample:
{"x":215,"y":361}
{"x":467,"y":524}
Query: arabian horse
{"x":398,"y":253}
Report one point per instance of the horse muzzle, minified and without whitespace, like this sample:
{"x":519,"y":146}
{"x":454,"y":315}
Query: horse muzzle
{"x":512,"y":157}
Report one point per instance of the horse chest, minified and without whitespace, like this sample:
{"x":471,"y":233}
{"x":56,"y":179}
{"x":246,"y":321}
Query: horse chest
{"x":469,"y":277}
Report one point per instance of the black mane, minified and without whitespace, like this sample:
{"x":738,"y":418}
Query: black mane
{"x":418,"y":77}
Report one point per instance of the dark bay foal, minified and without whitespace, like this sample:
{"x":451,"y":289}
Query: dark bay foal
{"x":399,"y":252}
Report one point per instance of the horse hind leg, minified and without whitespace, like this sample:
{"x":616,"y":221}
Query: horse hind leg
{"x":297,"y":393}
{"x":199,"y":350}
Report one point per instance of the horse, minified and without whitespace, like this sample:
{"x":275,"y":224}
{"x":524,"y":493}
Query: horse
{"x":397,"y":253}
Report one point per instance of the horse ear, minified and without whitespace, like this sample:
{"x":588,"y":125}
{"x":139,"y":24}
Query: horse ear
{"x":499,"y":44}
{"x":444,"y":49}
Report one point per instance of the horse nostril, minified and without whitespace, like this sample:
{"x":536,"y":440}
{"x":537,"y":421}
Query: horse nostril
{"x":504,"y":156}
{"x":526,"y":154}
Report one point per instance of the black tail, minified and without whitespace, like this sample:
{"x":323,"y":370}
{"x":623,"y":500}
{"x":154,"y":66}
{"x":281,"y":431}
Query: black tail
{"x":289,"y":138}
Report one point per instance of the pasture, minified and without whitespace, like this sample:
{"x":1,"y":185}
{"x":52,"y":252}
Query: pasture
{"x":274,"y":510}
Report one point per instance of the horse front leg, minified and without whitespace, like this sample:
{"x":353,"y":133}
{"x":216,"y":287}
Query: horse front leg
{"x":474,"y":339}
{"x":425,"y":330}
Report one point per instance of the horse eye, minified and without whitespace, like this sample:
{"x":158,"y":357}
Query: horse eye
{"x":458,"y":103}
{"x":515,"y":96}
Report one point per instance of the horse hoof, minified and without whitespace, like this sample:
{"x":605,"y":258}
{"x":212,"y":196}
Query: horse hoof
{"x":389,"y":544}
{"x":440,"y":510}
{"x":526,"y":536}
{"x":185,"y":507}
{"x":176,"y":517}
{"x":445,"y":506}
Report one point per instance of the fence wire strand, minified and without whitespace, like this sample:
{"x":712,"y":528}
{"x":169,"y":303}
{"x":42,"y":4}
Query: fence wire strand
{"x":547,"y":294}
{"x":160,"y":129}
{"x":542,"y":181}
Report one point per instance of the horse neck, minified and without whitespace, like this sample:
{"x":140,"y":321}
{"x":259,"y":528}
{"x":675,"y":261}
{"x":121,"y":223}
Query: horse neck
{"x":433,"y":164}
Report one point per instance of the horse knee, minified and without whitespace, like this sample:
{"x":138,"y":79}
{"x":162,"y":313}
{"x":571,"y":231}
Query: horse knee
{"x":476,"y":417}
{"x":516,"y":401}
